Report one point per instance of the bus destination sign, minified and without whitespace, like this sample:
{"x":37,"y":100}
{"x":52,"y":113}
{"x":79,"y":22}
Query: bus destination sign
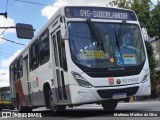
{"x":99,"y":13}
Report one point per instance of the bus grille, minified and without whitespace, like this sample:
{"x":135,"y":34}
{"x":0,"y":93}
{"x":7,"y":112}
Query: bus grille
{"x":109,"y":92}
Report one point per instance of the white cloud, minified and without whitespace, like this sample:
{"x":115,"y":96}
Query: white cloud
{"x":4,"y":77}
{"x":5,"y":63}
{"x":6,"y":23}
{"x":4,"y":73}
{"x":49,"y":10}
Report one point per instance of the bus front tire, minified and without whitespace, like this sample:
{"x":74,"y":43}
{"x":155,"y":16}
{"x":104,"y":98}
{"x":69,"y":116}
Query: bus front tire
{"x":109,"y":105}
{"x":53,"y":107}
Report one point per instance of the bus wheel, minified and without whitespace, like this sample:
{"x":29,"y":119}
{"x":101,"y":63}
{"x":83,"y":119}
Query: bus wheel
{"x":52,"y":105}
{"x":109,"y":105}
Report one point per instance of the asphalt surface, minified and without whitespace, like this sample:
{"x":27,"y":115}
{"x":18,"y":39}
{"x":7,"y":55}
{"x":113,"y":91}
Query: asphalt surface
{"x":147,"y":110}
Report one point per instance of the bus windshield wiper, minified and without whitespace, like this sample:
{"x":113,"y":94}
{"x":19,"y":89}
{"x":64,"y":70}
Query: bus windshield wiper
{"x":118,"y":36}
{"x":122,"y":25}
{"x":96,"y":34}
{"x":117,"y":40}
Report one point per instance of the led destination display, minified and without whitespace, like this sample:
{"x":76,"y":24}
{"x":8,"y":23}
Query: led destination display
{"x":99,"y":13}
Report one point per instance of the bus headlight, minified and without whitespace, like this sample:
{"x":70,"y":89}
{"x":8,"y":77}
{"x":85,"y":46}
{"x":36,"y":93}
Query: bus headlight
{"x":80,"y":80}
{"x":145,"y":77}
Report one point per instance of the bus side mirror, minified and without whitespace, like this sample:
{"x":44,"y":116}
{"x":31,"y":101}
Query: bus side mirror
{"x":24,"y":31}
{"x":63,"y":31}
{"x":145,"y":34}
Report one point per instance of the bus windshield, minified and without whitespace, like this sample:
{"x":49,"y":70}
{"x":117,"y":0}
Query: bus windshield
{"x":5,"y":96}
{"x":102,"y":45}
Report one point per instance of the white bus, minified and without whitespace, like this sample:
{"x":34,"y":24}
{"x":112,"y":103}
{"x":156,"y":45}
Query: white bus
{"x":83,"y":55}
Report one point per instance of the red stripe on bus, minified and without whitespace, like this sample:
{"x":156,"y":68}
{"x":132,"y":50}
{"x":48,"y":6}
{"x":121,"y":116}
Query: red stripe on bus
{"x":19,"y":90}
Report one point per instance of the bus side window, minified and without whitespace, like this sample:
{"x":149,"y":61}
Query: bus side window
{"x":44,"y":47}
{"x":20,"y":67}
{"x":15,"y":70}
{"x":34,"y":56}
{"x":62,"y":52}
{"x":18,"y":70}
{"x":55,"y":50}
{"x":12,"y":72}
{"x":59,"y":47}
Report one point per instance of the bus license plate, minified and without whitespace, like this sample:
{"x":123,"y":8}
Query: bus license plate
{"x":119,"y":96}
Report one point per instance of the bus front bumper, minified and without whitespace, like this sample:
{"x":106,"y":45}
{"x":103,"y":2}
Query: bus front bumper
{"x":95,"y":94}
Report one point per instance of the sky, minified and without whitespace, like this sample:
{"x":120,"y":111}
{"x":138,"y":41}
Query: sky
{"x":37,"y":15}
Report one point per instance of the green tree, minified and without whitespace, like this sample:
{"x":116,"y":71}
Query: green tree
{"x":155,"y":21}
{"x":151,"y":61}
{"x":140,"y":7}
{"x":152,"y":65}
{"x":121,"y":3}
{"x":147,"y":19}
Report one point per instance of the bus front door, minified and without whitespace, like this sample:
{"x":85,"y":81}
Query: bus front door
{"x":59,"y":67}
{"x":28,"y":87}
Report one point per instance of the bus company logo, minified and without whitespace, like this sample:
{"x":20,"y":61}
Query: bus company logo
{"x":37,"y":82}
{"x":134,"y":80}
{"x":118,"y":81}
{"x":111,"y":81}
{"x":6,"y":114}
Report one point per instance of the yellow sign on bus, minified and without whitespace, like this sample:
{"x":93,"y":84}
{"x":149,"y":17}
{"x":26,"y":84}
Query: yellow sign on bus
{"x":92,"y":54}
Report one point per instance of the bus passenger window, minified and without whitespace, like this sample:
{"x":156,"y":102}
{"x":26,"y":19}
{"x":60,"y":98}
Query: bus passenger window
{"x":59,"y":47}
{"x":44,"y":48}
{"x":20,"y":67}
{"x":15,"y":70}
{"x":62,"y":50}
{"x":55,"y":50}
{"x":12,"y":72}
{"x":34,"y":55}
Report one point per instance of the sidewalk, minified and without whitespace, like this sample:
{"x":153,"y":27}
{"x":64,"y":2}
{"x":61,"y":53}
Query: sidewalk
{"x":150,"y":99}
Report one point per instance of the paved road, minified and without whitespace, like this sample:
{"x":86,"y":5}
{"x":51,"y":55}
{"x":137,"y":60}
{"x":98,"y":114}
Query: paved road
{"x":96,"y":112}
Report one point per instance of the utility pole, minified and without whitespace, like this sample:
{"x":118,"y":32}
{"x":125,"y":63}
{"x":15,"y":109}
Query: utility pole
{"x":4,"y":14}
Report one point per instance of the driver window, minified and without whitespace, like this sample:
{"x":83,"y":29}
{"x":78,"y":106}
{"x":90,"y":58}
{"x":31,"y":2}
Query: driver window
{"x":127,"y":40}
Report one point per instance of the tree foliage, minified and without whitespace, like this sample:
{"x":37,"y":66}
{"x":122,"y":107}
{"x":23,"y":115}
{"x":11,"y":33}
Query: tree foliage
{"x":151,"y":60}
{"x":149,"y":19}
{"x":155,"y":21}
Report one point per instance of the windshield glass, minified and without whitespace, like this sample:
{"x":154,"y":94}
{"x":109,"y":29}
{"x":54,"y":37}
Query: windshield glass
{"x":5,"y":96}
{"x":102,"y":45}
